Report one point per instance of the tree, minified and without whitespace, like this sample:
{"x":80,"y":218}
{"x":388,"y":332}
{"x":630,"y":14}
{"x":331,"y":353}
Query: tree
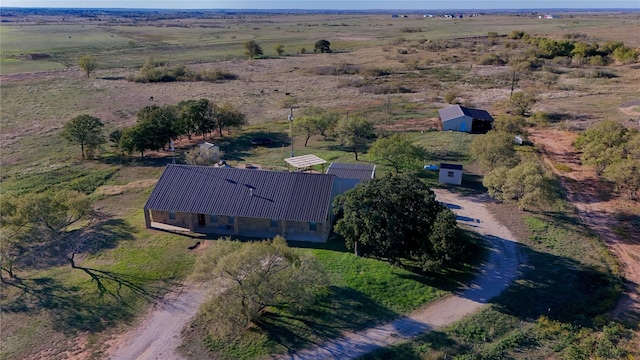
{"x":397,"y":151}
{"x":525,"y":184}
{"x":354,"y":132}
{"x":85,"y":130}
{"x":494,"y":149}
{"x":88,"y":64}
{"x":158,"y":124}
{"x":510,"y":124}
{"x":521,"y":103}
{"x":602,"y":144}
{"x":261,"y":276}
{"x":625,"y":175}
{"x":549,"y":79}
{"x":226,"y":116}
{"x":398,"y":217}
{"x":323,"y":46}
{"x":279,"y":48}
{"x":35,"y":224}
{"x":307,"y":125}
{"x":252,"y":49}
{"x":195,"y":116}
{"x":134,"y":139}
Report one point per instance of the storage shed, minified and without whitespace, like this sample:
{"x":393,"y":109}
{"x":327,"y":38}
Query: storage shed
{"x":350,"y":175}
{"x":450,"y":174}
{"x":460,"y":118}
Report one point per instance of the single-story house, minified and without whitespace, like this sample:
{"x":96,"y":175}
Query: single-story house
{"x":460,"y":118}
{"x":450,"y":174}
{"x":350,"y":175}
{"x":255,"y":203}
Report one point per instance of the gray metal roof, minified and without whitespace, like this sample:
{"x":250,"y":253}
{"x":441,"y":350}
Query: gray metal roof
{"x":352,"y":171}
{"x":246,"y":193}
{"x":456,"y":111}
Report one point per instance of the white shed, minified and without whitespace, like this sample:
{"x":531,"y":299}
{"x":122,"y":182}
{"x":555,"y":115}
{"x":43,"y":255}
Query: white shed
{"x":450,"y":174}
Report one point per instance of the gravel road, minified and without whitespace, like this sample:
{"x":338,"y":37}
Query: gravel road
{"x":159,"y":334}
{"x":500,"y":269}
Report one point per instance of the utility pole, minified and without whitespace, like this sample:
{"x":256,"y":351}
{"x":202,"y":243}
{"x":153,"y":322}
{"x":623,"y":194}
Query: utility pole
{"x":291,"y":128}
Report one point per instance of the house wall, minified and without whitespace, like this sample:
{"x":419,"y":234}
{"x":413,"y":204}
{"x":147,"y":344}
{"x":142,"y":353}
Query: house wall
{"x":181,"y":220}
{"x":254,"y":227}
{"x":444,"y":176}
{"x":462,"y":123}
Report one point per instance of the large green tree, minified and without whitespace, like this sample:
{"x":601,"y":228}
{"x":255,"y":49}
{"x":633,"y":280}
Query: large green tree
{"x":88,"y":64}
{"x":260,"y":276}
{"x":521,"y":103}
{"x":602,"y":144}
{"x":195,"y":116}
{"x":396,"y":151}
{"x":494,"y":149}
{"x":354,"y":132}
{"x":525,"y":184}
{"x":85,"y":130}
{"x":33,"y":226}
{"x":397,"y":217}
{"x":226,"y":116}
{"x":252,"y":49}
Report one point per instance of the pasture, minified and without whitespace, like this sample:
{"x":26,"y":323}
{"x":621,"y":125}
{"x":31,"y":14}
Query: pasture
{"x":38,"y":94}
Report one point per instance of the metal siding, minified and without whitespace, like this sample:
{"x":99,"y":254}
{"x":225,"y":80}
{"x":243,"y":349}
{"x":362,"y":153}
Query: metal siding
{"x":224,"y":191}
{"x":351,"y":171}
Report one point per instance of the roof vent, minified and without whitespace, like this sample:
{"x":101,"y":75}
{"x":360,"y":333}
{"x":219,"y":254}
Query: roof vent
{"x":250,"y":191}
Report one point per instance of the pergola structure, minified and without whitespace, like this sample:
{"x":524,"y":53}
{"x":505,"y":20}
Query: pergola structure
{"x":305,"y":162}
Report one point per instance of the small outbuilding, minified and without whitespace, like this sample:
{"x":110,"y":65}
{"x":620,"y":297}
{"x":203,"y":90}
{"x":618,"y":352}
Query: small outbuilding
{"x":450,"y":174}
{"x":350,"y":175}
{"x":460,"y":118}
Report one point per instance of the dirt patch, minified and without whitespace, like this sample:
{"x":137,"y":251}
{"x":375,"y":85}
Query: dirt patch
{"x":598,"y":210}
{"x":119,"y":189}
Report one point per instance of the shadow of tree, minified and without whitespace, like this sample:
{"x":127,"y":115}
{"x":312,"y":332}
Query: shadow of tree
{"x":75,"y":309}
{"x":340,"y":309}
{"x":238,"y":147}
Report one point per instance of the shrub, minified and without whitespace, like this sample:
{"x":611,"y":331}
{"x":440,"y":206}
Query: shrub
{"x":450,"y":97}
{"x":490,"y":59}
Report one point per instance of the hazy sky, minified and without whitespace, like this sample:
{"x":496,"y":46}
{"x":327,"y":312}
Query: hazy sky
{"x":327,"y":4}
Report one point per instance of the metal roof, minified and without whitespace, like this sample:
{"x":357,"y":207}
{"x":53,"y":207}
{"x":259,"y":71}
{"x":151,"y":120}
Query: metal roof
{"x":352,"y":171}
{"x":450,"y":166}
{"x":456,"y":111}
{"x":246,"y":193}
{"x":304,"y":161}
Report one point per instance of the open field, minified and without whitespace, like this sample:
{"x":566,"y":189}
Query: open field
{"x":415,"y":54}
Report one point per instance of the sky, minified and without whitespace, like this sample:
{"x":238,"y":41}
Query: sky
{"x":328,"y":4}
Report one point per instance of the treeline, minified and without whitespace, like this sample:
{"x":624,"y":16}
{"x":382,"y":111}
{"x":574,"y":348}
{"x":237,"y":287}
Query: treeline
{"x":157,"y":125}
{"x":613,"y":150}
{"x":572,"y":49}
{"x":160,"y":71}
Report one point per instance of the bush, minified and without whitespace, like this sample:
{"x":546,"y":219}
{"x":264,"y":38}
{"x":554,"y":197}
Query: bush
{"x":157,"y":71}
{"x":450,"y":97}
{"x":490,"y":59}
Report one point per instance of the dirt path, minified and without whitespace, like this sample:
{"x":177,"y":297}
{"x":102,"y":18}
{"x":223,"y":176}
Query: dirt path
{"x":499,"y":271}
{"x":159,"y":334}
{"x":597,"y":210}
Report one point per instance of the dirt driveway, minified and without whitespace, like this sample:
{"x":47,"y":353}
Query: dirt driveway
{"x":597,"y":209}
{"x":159,"y":333}
{"x":501,"y":268}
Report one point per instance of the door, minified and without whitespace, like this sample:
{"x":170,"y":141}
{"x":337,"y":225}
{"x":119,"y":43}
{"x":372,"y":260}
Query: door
{"x":201,"y":220}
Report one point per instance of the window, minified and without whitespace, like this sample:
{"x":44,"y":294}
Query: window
{"x":213,"y":218}
{"x":274,"y":223}
{"x":313,"y":226}
{"x":449,"y":173}
{"x":231,"y":220}
{"x":172,"y":215}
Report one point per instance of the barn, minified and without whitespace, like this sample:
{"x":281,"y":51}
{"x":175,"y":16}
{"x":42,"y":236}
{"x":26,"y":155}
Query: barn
{"x":464,"y":119}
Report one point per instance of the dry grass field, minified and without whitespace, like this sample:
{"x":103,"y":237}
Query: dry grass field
{"x":395,"y":72}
